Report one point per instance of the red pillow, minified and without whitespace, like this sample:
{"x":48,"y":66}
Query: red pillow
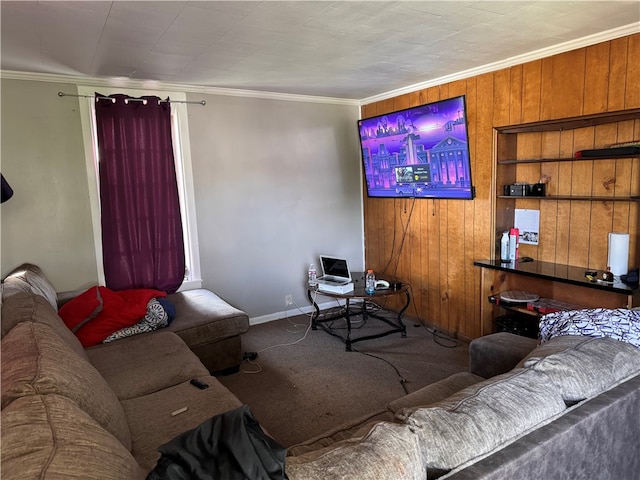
{"x":120,"y":309}
{"x":81,"y":309}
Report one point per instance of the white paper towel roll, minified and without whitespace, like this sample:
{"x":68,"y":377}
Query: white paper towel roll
{"x":619,"y":253}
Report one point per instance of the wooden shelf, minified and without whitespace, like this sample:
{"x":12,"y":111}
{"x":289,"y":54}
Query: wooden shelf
{"x":521,"y":310}
{"x":576,"y":197}
{"x":573,"y":228}
{"x":570,"y":123}
{"x":565,"y":159}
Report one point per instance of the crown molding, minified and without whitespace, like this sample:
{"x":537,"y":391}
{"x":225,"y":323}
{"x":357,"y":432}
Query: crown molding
{"x":171,"y":87}
{"x":604,"y":36}
{"x":600,"y":37}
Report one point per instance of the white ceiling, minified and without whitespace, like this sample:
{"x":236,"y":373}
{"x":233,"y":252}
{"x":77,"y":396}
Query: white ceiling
{"x":343,"y":49}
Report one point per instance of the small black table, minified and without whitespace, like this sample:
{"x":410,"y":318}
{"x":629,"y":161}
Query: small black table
{"x":358,"y":293}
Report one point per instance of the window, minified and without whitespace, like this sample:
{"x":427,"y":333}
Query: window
{"x":184,"y":175}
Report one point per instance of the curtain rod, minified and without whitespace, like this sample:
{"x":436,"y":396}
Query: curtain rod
{"x":62,"y":94}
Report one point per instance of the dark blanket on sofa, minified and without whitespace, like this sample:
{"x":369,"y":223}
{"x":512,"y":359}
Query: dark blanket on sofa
{"x":230,"y":445}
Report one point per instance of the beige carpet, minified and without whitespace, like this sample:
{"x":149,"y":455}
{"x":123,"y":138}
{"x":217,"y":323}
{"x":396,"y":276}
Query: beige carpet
{"x":304,"y":388}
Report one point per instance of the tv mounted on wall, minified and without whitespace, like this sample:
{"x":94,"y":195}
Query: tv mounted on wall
{"x":420,"y":152}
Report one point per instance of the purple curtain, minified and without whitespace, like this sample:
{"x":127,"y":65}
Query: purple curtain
{"x":142,"y":238}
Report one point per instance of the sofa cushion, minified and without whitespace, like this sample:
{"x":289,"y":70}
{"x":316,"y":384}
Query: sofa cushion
{"x":146,"y":363}
{"x":483,"y":417}
{"x":582,"y":367}
{"x":49,"y":437}
{"x":435,"y":392}
{"x":352,"y":428}
{"x":205,"y":317}
{"x":386,"y":451}
{"x":35,"y":361}
{"x":154,"y":426}
{"x":498,"y":353}
{"x":28,"y":307}
{"x":28,"y":278}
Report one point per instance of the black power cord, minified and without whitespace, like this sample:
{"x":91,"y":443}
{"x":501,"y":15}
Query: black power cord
{"x":403,"y":381}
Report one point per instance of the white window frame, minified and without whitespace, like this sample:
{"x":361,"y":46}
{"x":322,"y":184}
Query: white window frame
{"x":184,"y":174}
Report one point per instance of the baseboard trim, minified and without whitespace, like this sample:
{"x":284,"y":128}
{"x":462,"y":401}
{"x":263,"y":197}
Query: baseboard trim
{"x":292,"y":312}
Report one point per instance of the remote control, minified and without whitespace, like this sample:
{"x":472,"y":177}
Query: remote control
{"x":197,"y":383}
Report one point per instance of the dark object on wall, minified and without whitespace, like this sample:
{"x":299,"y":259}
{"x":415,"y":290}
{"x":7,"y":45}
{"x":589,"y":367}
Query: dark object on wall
{"x":517,"y":190}
{"x":525,"y":190}
{"x":609,"y":152}
{"x":538,"y":189}
{"x":7,"y":191}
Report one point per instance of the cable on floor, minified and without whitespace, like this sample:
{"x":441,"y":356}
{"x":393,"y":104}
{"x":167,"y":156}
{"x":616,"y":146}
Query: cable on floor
{"x":403,"y":381}
{"x":306,"y":332}
{"x":437,"y":335}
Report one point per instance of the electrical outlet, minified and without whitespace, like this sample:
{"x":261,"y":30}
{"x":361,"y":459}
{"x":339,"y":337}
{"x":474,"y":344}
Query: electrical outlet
{"x":288,"y":300}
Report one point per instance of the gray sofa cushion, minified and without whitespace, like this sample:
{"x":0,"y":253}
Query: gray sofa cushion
{"x":435,"y":392}
{"x":352,"y":428}
{"x":595,"y":439}
{"x":145,"y":363}
{"x":28,"y":278}
{"x":35,"y":361}
{"x":386,"y":451}
{"x":49,"y":437}
{"x":498,"y":353}
{"x":582,"y":367}
{"x":483,"y":417}
{"x":152,"y":423}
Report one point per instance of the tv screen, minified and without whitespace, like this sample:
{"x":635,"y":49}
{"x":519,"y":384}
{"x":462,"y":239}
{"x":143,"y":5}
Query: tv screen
{"x":420,"y":152}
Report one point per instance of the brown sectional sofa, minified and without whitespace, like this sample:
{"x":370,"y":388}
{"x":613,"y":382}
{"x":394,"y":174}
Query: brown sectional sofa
{"x":209,"y":326}
{"x":563,"y":410}
{"x":115,"y":398}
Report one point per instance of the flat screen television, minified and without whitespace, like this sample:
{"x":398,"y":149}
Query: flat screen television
{"x":419,"y":152}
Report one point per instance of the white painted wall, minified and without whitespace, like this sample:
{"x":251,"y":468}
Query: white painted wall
{"x":277,"y":183}
{"x":48,"y":219}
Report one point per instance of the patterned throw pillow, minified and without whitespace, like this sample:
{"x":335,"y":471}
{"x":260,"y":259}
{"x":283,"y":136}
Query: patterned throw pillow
{"x":620,"y":324}
{"x":155,"y":318}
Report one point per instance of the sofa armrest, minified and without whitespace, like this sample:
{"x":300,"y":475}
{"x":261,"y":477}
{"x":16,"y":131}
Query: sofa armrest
{"x":64,"y":297}
{"x":498,"y":353}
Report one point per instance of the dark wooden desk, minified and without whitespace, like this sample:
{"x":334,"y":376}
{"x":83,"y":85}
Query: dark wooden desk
{"x":358,"y":293}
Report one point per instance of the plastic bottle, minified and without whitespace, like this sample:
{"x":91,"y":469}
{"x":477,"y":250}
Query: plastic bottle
{"x":313,"y":280}
{"x":504,"y":247}
{"x":370,"y":283}
{"x":513,"y":244}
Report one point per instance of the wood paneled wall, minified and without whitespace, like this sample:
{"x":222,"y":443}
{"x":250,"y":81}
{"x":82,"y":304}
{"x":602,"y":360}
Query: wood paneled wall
{"x":432,"y":244}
